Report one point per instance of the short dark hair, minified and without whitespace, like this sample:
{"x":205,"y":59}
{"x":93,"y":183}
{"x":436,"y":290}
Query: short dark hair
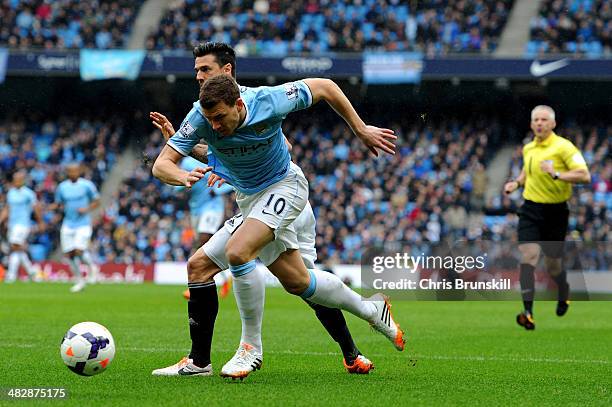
{"x":224,"y":53}
{"x":219,"y":88}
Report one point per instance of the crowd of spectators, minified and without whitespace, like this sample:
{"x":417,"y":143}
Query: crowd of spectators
{"x":425,"y":192}
{"x":65,"y":24}
{"x":431,"y":191}
{"x":433,"y":188}
{"x":273,"y":27}
{"x":580,"y":27}
{"x":147,"y":220}
{"x":42,"y":148}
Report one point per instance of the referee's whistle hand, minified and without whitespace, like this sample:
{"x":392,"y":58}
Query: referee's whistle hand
{"x":510,"y":187}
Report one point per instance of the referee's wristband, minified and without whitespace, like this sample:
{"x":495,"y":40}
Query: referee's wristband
{"x":518,"y":182}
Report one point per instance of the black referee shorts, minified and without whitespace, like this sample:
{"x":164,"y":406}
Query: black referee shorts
{"x":545,"y":224}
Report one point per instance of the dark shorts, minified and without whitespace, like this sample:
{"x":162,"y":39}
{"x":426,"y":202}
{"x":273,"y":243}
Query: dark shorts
{"x":545,"y":224}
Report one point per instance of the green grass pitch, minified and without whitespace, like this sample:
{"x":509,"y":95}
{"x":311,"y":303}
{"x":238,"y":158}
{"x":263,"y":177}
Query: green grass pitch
{"x":458,"y":353}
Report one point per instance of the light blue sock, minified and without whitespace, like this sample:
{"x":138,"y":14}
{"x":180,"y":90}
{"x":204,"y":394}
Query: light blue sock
{"x":242,"y":269}
{"x":311,"y":287}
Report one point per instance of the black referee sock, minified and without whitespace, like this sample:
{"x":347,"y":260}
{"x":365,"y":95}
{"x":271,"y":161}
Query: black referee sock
{"x":561,"y":281}
{"x":202,"y":307}
{"x":333,"y":321}
{"x":527,"y":285}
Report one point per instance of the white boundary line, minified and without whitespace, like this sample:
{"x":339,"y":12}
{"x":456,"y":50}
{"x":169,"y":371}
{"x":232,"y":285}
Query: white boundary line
{"x":501,"y":358}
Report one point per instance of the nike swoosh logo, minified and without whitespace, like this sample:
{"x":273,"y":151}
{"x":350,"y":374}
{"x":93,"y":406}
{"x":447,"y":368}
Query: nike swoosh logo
{"x":537,"y":69}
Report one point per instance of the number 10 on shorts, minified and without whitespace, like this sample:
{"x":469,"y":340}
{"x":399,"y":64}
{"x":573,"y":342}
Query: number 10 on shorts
{"x":278,"y":207}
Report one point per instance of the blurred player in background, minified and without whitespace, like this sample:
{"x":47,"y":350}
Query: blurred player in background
{"x":206,"y":205}
{"x":21,"y":202}
{"x":207,"y":208}
{"x":78,"y":197}
{"x":216,"y":59}
{"x":551,"y":164}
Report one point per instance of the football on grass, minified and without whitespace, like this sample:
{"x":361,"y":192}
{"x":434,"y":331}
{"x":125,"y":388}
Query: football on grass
{"x":87,"y":348}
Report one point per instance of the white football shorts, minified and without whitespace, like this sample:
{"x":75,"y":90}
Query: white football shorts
{"x":208,"y":222}
{"x":18,"y":234}
{"x":76,"y":238}
{"x":305,"y":227}
{"x":278,"y":205}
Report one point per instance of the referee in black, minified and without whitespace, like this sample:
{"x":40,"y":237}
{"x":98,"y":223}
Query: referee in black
{"x":551,"y":164}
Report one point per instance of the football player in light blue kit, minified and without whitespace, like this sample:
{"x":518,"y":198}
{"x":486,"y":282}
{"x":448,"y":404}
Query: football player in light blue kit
{"x":206,"y":205}
{"x":211,"y":59}
{"x":21,"y":202}
{"x":207,"y":208}
{"x":242,"y":127}
{"x":78,"y":197}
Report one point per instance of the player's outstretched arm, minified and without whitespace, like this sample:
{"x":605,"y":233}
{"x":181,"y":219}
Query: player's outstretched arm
{"x":166,"y":169}
{"x":374,"y":138}
{"x":161,"y":122}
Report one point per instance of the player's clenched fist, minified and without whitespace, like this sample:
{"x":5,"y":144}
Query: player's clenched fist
{"x":194,"y":176}
{"x":511,"y":186}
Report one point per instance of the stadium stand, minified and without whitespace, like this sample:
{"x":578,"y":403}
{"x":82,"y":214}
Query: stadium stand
{"x":65,"y":24}
{"x":572,"y":26}
{"x":147,"y":221}
{"x":271,"y":27}
{"x":436,"y":185}
{"x":435,"y":189}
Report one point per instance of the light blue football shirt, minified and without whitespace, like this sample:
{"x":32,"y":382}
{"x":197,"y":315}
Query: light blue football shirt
{"x":255,"y":156}
{"x":202,"y":198}
{"x":21,"y":203}
{"x":76,"y":195}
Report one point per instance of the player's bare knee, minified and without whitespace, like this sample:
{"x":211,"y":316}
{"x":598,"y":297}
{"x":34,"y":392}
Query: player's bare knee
{"x":210,"y":270}
{"x":236,"y":254}
{"x":192,"y":269}
{"x":294,"y":284}
{"x":200,"y":268}
{"x":295,"y":287}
